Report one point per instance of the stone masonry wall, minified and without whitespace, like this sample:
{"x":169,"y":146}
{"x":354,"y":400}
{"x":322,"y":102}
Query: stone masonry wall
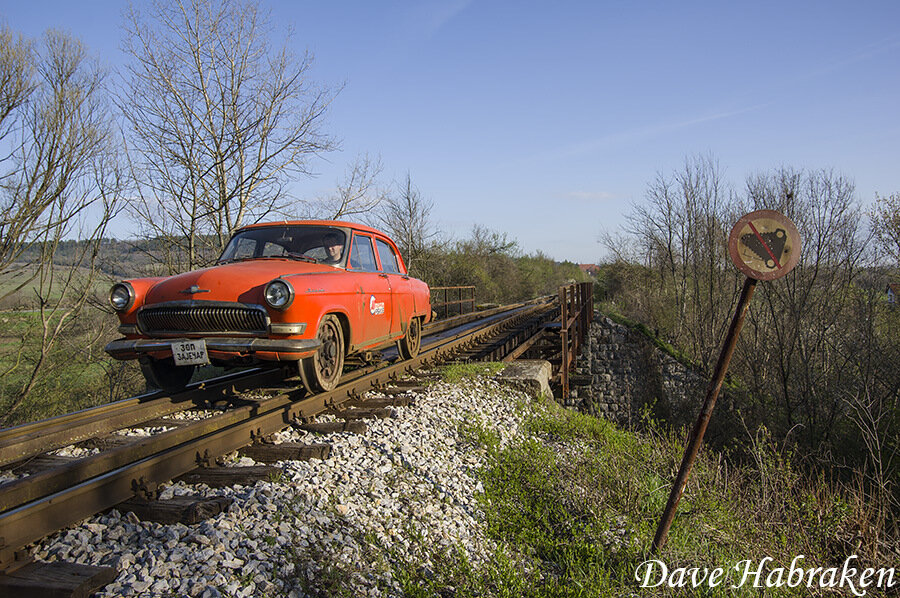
{"x":620,"y":371}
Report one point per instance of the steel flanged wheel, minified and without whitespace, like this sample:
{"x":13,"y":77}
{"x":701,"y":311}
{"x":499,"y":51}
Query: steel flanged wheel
{"x":410,"y":344}
{"x":322,"y":371}
{"x":164,"y":374}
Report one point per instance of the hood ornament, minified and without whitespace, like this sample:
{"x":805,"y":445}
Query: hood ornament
{"x":193,"y":289}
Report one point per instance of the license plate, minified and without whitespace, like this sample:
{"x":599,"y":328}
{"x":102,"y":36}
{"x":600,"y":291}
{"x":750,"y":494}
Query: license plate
{"x":190,"y":352}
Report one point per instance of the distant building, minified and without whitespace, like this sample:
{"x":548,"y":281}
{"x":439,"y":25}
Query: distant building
{"x":594,"y":270}
{"x":893,"y":294}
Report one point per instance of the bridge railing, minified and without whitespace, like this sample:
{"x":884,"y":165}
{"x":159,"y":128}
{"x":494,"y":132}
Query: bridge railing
{"x":576,"y":314}
{"x":452,"y":301}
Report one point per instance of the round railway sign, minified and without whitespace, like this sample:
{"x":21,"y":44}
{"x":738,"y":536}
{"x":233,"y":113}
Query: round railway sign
{"x":764,"y":245}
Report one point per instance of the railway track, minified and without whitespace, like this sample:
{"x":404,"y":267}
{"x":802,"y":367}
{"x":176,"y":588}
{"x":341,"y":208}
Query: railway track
{"x":258,"y":403}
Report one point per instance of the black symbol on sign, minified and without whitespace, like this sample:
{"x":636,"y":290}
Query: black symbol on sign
{"x":775,"y":242}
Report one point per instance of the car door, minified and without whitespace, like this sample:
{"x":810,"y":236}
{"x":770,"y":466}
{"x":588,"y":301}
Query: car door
{"x":401,"y":293}
{"x":374,"y":292}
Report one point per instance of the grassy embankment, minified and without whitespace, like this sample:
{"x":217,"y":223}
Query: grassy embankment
{"x":574,"y":504}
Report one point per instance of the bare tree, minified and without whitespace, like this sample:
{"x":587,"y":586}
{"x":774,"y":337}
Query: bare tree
{"x":219,"y":121}
{"x":19,"y":217}
{"x":16,"y":78}
{"x":682,"y":230}
{"x":407,"y":218}
{"x":56,"y":126}
{"x":59,"y":181}
{"x":791,"y":350}
{"x":357,"y":194}
{"x":885,"y":217}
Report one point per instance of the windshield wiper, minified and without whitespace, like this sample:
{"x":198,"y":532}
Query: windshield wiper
{"x":300,"y":256}
{"x":289,"y":256}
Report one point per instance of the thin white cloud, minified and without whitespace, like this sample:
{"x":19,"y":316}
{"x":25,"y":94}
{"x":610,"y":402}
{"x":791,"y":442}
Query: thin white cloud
{"x":643,"y":133}
{"x":865,"y":53}
{"x":430,"y":17}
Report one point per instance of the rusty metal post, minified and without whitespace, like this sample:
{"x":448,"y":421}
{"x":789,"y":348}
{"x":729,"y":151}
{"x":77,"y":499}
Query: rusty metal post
{"x":696,"y":437}
{"x":582,"y":316}
{"x":591,"y":302}
{"x":579,"y":297}
{"x":588,"y":308}
{"x":564,"y":341}
{"x":573,"y":327}
{"x":564,"y":367}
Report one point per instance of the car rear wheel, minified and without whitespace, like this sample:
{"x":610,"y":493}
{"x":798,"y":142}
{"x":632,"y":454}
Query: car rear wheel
{"x":410,"y":344}
{"x":164,"y":374}
{"x":322,"y":371}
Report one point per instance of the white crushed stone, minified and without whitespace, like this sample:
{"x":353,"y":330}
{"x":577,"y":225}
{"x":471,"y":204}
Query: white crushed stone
{"x":192,"y":414}
{"x":143,"y":432}
{"x":403,"y":490}
{"x":75,"y":451}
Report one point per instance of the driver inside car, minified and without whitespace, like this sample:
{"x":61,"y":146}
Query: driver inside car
{"x":334,"y":248}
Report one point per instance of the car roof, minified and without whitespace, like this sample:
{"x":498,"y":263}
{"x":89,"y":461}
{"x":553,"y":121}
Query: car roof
{"x":354,"y":226}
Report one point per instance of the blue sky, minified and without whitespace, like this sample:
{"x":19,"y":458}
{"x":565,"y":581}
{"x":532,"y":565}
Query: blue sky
{"x":547,"y":120}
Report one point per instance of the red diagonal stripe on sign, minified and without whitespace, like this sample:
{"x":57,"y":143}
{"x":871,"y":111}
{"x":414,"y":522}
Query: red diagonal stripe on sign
{"x":769,"y":251}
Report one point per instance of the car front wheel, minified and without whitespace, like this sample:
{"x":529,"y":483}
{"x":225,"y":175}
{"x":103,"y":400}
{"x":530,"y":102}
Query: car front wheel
{"x":322,"y":371}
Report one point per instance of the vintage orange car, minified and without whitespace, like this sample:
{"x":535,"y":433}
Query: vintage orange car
{"x":307,"y":292}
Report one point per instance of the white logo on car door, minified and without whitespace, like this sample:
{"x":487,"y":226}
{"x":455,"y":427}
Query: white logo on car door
{"x":376,"y":309}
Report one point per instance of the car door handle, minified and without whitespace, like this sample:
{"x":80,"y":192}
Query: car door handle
{"x":383,"y":275}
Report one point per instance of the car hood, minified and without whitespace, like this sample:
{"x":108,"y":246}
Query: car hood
{"x":238,"y":281}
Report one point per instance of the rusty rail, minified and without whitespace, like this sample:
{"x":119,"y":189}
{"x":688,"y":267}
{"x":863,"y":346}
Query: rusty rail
{"x":463,"y":303}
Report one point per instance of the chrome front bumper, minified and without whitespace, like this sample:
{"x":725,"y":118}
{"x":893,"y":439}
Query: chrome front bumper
{"x":128,"y":349}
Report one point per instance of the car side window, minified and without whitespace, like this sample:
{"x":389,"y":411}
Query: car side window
{"x":362,"y":256}
{"x":387,"y":257}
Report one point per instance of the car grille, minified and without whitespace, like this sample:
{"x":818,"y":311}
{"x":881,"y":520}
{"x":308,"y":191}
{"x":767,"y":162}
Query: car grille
{"x":197,"y":317}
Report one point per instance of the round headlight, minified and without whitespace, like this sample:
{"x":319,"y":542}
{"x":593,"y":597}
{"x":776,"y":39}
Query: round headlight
{"x":279,"y":293}
{"x":121,"y":296}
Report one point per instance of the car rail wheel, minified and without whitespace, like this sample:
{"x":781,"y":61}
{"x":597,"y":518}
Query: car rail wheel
{"x":165,"y":375}
{"x":322,"y":371}
{"x":410,"y":344}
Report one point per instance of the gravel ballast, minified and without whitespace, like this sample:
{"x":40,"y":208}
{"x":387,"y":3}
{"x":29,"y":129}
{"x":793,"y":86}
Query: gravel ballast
{"x":401,"y":492}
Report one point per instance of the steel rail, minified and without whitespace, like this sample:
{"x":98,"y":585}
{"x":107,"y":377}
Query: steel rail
{"x":28,"y":440}
{"x":31,"y":521}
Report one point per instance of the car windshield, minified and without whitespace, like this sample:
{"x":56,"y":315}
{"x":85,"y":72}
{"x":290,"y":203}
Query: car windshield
{"x":322,"y":244}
